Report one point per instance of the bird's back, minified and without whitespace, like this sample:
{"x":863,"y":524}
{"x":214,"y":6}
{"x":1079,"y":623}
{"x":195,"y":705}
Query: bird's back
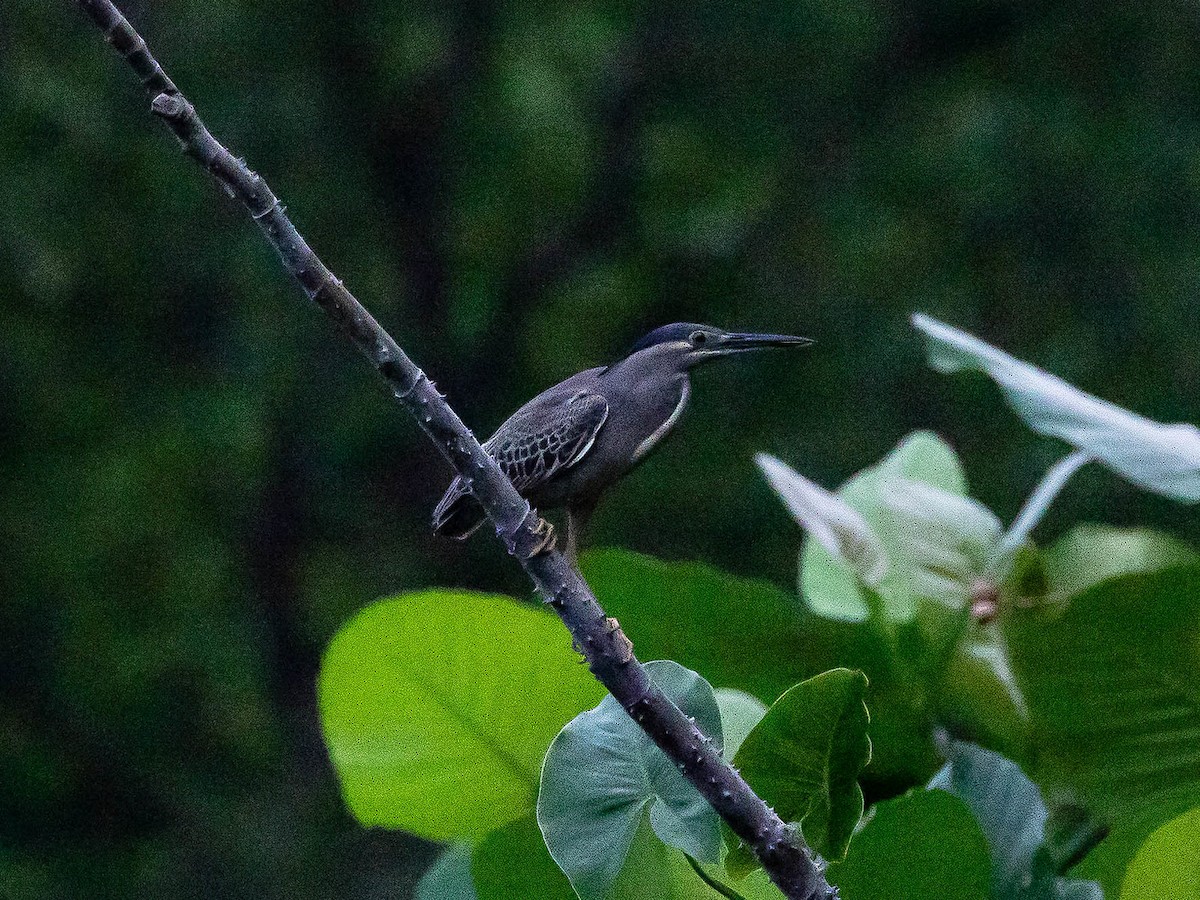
{"x":534,"y":444}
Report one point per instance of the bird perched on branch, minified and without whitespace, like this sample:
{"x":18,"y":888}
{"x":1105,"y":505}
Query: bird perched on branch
{"x":569,"y":444}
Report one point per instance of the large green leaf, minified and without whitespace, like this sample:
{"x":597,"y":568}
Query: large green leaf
{"x":1010,"y":812}
{"x":923,"y":845}
{"x":513,"y":863}
{"x":736,"y":632}
{"x":438,"y":707}
{"x":805,"y":755}
{"x":602,"y":772}
{"x":1167,"y":866}
{"x":1089,"y":554}
{"x":1160,"y":458}
{"x":830,"y":587}
{"x":764,"y":643}
{"x":899,"y":696}
{"x":1113,"y":698}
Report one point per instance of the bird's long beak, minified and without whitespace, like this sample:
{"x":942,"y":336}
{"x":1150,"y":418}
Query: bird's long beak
{"x":737,"y":343}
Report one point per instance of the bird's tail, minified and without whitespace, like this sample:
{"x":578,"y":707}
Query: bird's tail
{"x":457,"y":515}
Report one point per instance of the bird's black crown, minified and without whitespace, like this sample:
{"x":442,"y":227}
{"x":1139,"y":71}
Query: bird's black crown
{"x":679,"y":331}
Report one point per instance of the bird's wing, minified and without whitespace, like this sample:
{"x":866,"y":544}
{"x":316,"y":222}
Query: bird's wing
{"x":546,"y":438}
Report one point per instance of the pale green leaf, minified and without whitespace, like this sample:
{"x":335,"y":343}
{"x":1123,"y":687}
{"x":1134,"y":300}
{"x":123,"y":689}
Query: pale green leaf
{"x":602,"y":772}
{"x":828,"y":585}
{"x":740,"y":712}
{"x":1010,"y":812}
{"x":942,"y":541}
{"x":654,"y":871}
{"x":449,"y":878}
{"x":828,"y":519}
{"x":1089,"y":554}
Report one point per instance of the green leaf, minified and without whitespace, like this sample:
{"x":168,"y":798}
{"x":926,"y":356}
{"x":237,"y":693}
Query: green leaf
{"x":980,"y":696}
{"x":804,"y":757}
{"x":1167,"y":866}
{"x":1161,"y":458}
{"x":828,"y":585}
{"x":438,"y":706}
{"x":654,"y":871}
{"x":739,"y":714}
{"x":923,"y":845}
{"x":1111,"y":688}
{"x":449,"y":878}
{"x":513,"y":862}
{"x":1009,"y":810}
{"x":898,"y":696}
{"x":1089,"y":554}
{"x":757,"y":643}
{"x":765,"y":644}
{"x":602,"y":771}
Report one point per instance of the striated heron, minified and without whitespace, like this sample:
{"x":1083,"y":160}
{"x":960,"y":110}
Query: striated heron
{"x":569,"y":444}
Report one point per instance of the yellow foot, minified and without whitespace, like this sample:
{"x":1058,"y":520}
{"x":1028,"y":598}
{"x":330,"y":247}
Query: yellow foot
{"x":544,"y":532}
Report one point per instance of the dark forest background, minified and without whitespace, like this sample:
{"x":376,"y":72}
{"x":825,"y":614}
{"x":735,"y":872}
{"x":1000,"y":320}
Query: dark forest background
{"x":199,"y":482}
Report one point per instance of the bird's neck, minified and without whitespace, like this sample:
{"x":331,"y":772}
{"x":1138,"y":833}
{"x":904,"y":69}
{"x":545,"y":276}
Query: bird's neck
{"x":650,"y":365}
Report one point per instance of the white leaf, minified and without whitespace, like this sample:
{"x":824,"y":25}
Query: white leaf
{"x":829,"y":519}
{"x":942,"y":541}
{"x":1161,"y":458}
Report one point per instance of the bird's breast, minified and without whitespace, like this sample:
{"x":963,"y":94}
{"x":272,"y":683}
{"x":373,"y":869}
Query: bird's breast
{"x":672,"y":419}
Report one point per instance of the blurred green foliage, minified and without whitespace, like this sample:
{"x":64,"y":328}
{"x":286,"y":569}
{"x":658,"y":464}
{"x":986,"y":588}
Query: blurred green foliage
{"x":200,"y":484}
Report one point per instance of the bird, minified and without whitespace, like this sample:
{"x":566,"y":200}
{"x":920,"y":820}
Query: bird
{"x":571,"y":443}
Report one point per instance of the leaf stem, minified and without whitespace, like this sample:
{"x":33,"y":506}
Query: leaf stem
{"x":1034,"y":509}
{"x":722,"y":889}
{"x":527,"y":537}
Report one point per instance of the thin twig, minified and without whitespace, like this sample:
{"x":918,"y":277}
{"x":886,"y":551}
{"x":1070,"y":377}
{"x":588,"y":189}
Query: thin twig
{"x":1035,"y":508}
{"x":608,"y":652}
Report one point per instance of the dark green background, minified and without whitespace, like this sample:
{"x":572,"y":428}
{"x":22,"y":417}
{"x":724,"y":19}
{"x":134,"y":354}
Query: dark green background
{"x":199,"y":482}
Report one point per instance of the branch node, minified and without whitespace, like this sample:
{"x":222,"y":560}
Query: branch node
{"x":259,"y":216}
{"x":169,"y":106}
{"x":621,"y":642}
{"x":391,"y":372}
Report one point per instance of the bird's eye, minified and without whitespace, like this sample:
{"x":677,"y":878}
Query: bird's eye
{"x":699,"y":338}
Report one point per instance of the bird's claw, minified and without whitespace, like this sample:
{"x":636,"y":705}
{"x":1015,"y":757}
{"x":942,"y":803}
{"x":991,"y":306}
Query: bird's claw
{"x":543,"y":531}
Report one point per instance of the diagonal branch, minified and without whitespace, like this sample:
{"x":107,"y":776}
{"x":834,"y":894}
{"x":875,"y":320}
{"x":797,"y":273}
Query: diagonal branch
{"x":608,"y":652}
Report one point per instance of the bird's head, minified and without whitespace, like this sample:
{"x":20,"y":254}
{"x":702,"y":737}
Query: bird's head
{"x":689,"y":344}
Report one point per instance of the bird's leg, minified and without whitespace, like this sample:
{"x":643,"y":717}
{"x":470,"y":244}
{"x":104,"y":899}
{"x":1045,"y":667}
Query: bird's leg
{"x":572,"y":540}
{"x":578,"y":516}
